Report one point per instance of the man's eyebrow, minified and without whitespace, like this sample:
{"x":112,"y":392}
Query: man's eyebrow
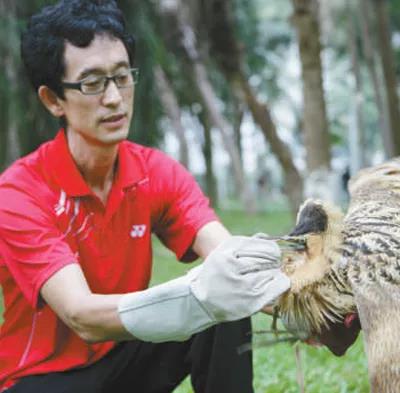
{"x":97,"y":70}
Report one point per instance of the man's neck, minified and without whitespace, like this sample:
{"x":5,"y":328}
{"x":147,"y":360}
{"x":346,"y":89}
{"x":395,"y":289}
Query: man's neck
{"x":96,"y":163}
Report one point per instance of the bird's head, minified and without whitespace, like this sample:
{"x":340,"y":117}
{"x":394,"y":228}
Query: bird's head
{"x":319,"y":294}
{"x":319,"y":230}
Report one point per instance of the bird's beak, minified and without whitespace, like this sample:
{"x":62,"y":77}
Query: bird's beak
{"x":290,"y":243}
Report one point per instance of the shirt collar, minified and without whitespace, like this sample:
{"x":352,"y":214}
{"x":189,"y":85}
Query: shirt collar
{"x":62,"y":165}
{"x":130,"y":166}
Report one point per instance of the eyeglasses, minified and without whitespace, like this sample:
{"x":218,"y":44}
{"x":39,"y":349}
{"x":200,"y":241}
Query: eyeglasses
{"x":93,"y":85}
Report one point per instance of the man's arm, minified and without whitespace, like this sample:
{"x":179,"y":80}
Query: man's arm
{"x":209,"y":237}
{"x":240,"y":269}
{"x":93,"y":317}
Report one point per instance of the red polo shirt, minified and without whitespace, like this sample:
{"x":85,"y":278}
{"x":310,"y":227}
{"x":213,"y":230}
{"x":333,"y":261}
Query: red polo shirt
{"x":49,"y":218}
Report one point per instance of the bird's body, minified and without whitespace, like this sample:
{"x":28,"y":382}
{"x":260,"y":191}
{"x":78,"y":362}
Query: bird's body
{"x":351,"y":264}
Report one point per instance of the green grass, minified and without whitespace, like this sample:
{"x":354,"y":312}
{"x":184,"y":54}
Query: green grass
{"x":275,"y":366}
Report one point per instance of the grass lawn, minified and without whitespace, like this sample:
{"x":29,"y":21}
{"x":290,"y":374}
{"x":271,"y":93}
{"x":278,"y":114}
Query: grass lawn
{"x":275,"y":366}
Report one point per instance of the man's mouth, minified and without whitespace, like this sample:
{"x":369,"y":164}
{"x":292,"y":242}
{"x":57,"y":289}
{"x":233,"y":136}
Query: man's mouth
{"x":113,"y":118}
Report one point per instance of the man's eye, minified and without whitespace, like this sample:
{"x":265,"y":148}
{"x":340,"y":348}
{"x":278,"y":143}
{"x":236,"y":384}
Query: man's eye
{"x":122,"y":79}
{"x":93,"y":83}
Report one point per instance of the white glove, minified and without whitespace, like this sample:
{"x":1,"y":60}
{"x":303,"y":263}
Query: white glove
{"x":240,"y":277}
{"x":236,"y":280}
{"x":166,"y":312}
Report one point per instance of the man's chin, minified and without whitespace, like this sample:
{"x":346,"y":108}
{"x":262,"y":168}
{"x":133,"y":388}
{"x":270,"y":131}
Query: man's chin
{"x":112,"y":137}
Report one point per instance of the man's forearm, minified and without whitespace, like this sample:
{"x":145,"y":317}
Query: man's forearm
{"x":93,"y":317}
{"x":97,"y":319}
{"x":209,"y":237}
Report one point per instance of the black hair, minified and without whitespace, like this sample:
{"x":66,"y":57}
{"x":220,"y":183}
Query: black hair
{"x":73,"y":21}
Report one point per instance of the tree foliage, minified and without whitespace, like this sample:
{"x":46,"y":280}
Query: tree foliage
{"x":248,"y":51}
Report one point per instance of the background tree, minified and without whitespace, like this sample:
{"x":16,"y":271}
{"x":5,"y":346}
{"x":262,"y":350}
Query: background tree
{"x":356,"y":132}
{"x":172,"y":109}
{"x":316,"y":131}
{"x":247,"y":59}
{"x":386,"y":54}
{"x":225,"y":48}
{"x":182,"y":15}
{"x":369,"y":50}
{"x":12,"y":147}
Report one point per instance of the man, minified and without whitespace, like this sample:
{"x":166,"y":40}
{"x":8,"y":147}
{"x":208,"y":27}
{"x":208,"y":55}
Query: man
{"x":76,"y":218}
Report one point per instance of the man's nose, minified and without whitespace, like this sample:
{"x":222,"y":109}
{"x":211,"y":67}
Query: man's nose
{"x":112,"y":95}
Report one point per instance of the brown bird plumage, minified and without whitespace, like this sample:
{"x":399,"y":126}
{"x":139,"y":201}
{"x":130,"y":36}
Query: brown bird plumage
{"x":347,"y":264}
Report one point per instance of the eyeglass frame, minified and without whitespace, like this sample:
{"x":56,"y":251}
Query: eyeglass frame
{"x":78,"y":85}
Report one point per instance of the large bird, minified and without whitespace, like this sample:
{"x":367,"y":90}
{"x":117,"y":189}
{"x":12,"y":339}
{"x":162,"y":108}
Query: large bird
{"x":346,"y":265}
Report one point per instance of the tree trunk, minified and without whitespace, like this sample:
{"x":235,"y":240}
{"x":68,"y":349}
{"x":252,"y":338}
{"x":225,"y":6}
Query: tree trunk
{"x":237,"y":126}
{"x":210,"y":180}
{"x":227,"y":51}
{"x":13,"y":144}
{"x":356,"y":127}
{"x":364,"y":15}
{"x":293,"y":183}
{"x":388,"y":66}
{"x":172,"y":110}
{"x":316,"y":135}
{"x":211,"y":103}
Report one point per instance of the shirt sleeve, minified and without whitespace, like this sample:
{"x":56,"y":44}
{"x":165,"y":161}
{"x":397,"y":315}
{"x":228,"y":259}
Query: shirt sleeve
{"x":179,"y":207}
{"x":31,"y":246}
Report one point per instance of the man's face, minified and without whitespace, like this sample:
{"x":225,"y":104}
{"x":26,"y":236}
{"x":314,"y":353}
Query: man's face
{"x":101,"y":119}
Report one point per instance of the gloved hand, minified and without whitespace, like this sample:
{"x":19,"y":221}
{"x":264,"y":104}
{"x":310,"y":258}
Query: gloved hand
{"x":239,"y":278}
{"x":235,"y":281}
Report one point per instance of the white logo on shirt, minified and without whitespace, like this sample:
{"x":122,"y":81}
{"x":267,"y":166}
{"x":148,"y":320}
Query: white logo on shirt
{"x":70,"y":207}
{"x":62,"y":205}
{"x":138,"y":231}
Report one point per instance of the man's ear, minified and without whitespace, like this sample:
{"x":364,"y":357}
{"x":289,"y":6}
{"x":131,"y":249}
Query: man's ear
{"x":51,"y":101}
